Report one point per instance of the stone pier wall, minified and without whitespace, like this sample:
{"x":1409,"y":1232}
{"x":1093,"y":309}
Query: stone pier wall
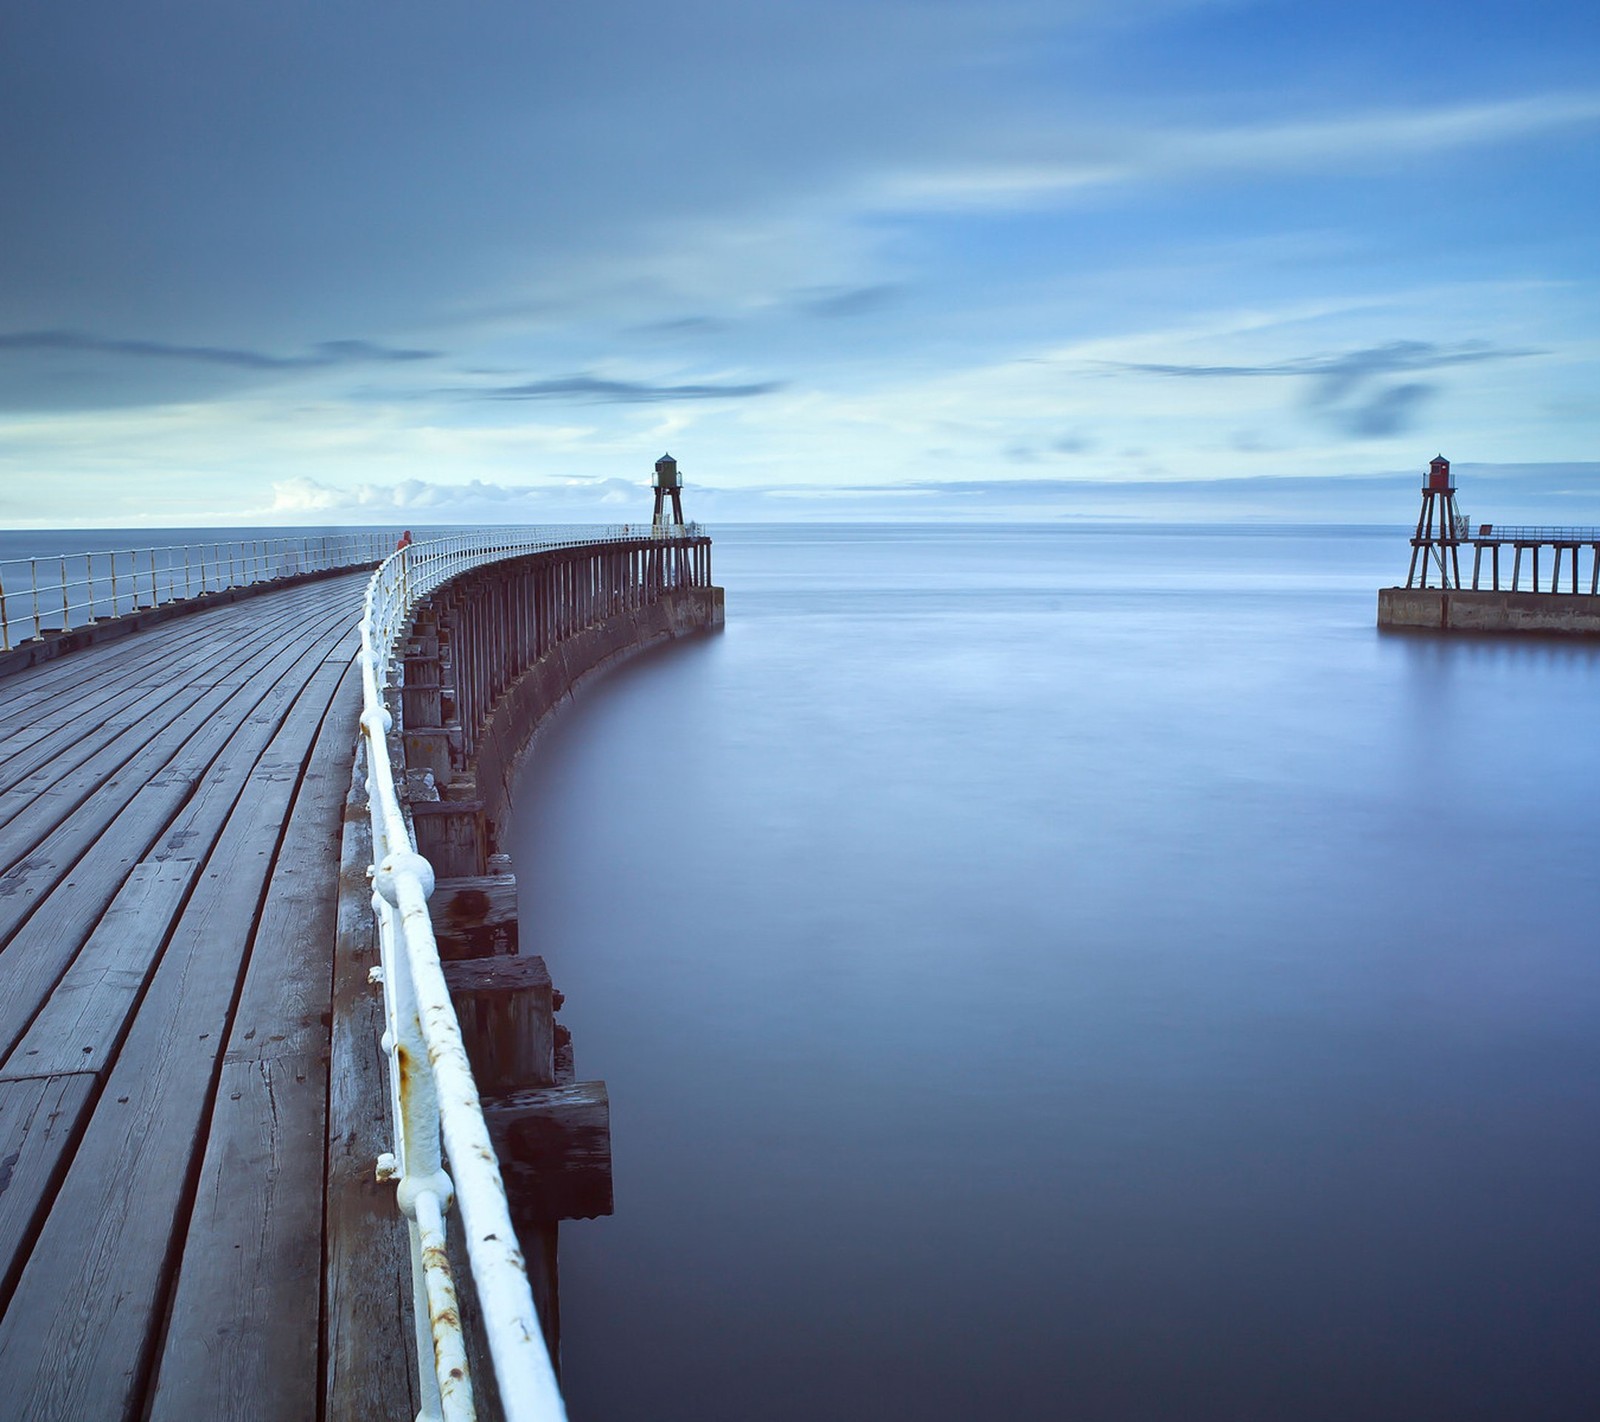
{"x":1462,"y":610}
{"x":530,"y":700}
{"x":489,"y":656}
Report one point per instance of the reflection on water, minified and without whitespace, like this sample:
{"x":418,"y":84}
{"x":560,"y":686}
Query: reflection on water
{"x":1079,"y":973}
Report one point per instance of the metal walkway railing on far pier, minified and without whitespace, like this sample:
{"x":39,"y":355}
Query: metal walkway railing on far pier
{"x":1565,"y":544}
{"x":43,"y":596}
{"x":1517,"y":533}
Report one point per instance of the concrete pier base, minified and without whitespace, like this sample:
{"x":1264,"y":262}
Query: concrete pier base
{"x":1463,"y":610}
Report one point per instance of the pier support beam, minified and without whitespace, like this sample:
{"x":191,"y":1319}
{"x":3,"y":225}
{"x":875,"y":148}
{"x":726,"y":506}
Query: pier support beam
{"x":450,"y":836}
{"x":476,"y":916}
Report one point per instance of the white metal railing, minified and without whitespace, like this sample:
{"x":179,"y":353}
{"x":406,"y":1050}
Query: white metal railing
{"x":432,"y":1091}
{"x":58,"y":592}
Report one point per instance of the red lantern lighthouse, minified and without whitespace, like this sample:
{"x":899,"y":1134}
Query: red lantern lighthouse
{"x":1439,"y":529}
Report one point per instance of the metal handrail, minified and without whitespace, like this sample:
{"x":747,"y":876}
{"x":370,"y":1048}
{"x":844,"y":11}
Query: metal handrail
{"x":1508,"y":533}
{"x":59,"y":592}
{"x":431,"y":1085}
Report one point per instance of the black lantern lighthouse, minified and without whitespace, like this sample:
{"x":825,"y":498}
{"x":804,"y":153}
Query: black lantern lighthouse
{"x":667,"y":482}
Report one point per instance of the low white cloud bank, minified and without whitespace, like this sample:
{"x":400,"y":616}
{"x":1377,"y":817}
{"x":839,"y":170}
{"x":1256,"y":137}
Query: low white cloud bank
{"x":302,"y":495}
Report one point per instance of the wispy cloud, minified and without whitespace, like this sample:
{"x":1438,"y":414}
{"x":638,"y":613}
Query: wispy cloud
{"x":1362,"y":140}
{"x":623,"y":392}
{"x":682,"y":326}
{"x":831,"y":302}
{"x":321,"y":356}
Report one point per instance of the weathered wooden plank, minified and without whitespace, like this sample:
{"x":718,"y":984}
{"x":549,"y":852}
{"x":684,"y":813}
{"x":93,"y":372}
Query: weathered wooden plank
{"x":369,"y":1334}
{"x":39,"y":1120}
{"x":242,"y":1338}
{"x":81,"y":1025}
{"x":51,"y":836}
{"x":88,"y":673}
{"x":174,"y":816}
{"x":95,"y":686}
{"x":95,"y":1285}
{"x":20,"y":738}
{"x":59,"y":818}
{"x":127,"y":704}
{"x":348,"y":649}
{"x":283,"y":1007}
{"x":245,"y":1319}
{"x":83,"y":678}
{"x":27,"y":881}
{"x":38,"y":852}
{"x":80,"y":739}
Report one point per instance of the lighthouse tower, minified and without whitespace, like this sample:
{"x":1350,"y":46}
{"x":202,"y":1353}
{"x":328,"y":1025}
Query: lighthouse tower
{"x":667,"y":482}
{"x":1439,"y":529}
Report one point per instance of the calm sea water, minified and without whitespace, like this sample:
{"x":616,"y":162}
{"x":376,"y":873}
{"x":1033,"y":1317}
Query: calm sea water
{"x":1079,"y":973}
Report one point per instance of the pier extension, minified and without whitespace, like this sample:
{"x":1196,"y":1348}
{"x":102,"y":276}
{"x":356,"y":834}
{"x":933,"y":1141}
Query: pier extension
{"x":1507,"y":591}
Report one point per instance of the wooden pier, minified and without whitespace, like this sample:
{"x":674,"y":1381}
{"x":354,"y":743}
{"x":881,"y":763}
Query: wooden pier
{"x":172,"y":806}
{"x":193,"y":1101}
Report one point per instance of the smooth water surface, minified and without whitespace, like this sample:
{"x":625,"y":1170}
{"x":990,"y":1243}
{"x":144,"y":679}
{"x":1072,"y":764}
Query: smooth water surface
{"x":1079,"y":973}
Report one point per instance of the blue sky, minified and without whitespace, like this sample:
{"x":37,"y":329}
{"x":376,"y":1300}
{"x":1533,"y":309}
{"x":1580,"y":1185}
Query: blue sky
{"x":402,"y":262}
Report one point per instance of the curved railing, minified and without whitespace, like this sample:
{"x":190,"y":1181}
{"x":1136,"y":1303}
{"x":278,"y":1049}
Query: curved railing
{"x":41,"y":596}
{"x":433,"y":1094}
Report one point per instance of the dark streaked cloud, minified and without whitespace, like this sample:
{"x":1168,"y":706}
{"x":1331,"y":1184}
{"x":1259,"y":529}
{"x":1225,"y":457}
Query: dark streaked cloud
{"x":681,"y":326}
{"x":623,"y":392}
{"x":1352,"y":392}
{"x":1072,"y":444}
{"x":1389,"y":410}
{"x":1339,"y":372}
{"x":1064,"y":444}
{"x":321,"y":356}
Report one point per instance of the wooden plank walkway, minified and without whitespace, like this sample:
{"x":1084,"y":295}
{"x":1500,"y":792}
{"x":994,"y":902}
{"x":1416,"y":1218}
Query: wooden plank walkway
{"x":171,"y":811}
